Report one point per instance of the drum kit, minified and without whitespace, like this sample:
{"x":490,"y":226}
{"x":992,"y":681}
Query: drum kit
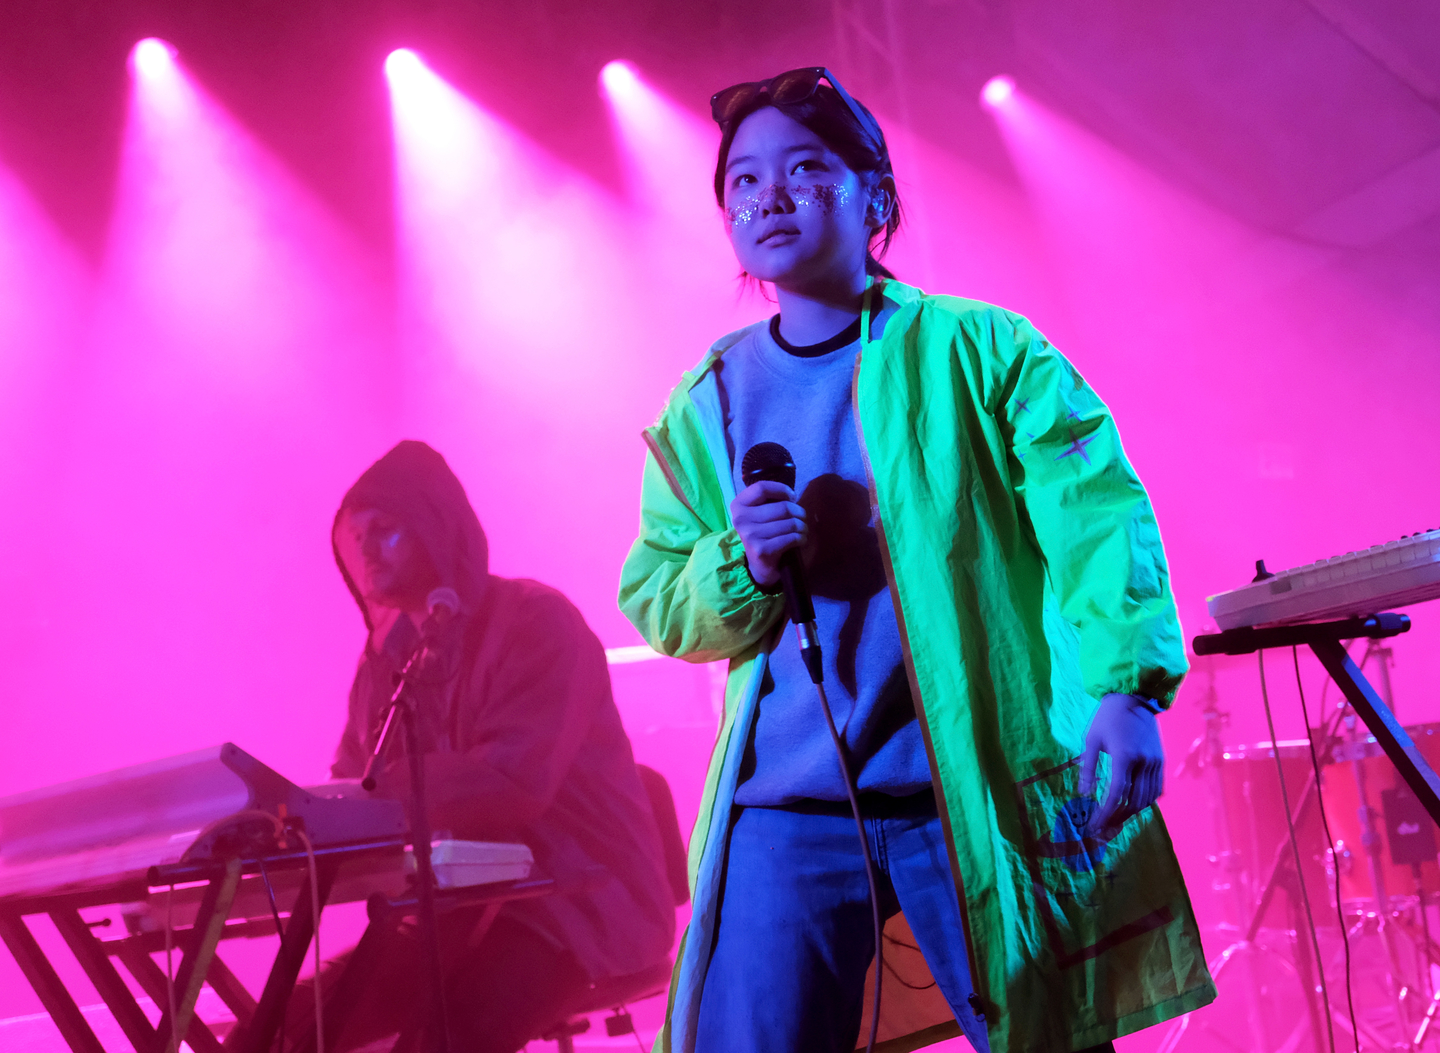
{"x":1328,"y":884}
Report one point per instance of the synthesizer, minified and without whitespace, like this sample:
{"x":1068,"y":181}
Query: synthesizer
{"x":1379,"y":578}
{"x":117,"y":825}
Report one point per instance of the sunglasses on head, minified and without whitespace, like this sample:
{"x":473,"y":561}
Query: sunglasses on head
{"x":795,"y":86}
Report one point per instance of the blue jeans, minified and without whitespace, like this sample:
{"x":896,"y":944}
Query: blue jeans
{"x":795,"y":936}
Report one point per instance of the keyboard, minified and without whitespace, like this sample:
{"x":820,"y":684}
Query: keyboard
{"x":457,"y":864}
{"x":113,"y":827}
{"x":1379,"y":578}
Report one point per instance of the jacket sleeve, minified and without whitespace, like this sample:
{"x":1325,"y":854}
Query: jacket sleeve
{"x":1092,"y":521}
{"x":685,"y":584}
{"x":539,"y":703}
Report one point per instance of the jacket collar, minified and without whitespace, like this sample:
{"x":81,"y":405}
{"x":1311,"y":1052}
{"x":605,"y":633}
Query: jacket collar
{"x":894,"y":290}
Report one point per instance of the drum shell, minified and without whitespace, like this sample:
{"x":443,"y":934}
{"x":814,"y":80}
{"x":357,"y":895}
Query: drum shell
{"x":1258,"y":829}
{"x":1342,"y":807}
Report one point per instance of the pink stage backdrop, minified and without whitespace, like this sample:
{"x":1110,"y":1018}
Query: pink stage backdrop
{"x":179,"y":418}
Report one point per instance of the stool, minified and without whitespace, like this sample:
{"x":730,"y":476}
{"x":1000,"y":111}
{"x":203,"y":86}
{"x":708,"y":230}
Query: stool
{"x":618,"y":992}
{"x":613,"y":994}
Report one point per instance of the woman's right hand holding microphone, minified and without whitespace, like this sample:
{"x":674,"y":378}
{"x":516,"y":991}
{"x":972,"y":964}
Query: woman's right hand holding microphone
{"x":771,"y":522}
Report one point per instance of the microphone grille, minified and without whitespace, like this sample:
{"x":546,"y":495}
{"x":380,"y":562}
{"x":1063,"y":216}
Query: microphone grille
{"x":769,"y":461}
{"x":443,"y":598}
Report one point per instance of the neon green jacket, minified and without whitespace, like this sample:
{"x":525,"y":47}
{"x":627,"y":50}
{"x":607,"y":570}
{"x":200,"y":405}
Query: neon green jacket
{"x":1029,"y":580}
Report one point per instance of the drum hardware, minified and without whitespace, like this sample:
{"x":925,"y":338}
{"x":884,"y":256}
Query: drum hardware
{"x":1374,"y":859}
{"x":1371,"y":908}
{"x":1206,"y":757}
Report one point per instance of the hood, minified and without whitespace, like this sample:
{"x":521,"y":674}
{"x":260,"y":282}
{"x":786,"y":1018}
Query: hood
{"x":414,"y":484}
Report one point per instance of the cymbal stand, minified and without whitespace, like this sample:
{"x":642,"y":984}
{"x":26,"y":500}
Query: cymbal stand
{"x":1282,"y":877}
{"x":1395,"y":988}
{"x":1427,"y":1019}
{"x":1383,"y":656}
{"x":1324,"y":639}
{"x":1235,"y":877}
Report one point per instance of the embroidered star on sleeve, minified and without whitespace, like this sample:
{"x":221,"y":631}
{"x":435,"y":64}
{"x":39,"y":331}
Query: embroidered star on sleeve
{"x":1077,"y":445}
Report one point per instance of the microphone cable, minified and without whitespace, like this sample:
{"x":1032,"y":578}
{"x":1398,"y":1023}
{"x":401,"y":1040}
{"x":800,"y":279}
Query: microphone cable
{"x":170,"y":966}
{"x":769,"y":461}
{"x":315,"y":916}
{"x":870,"y":878}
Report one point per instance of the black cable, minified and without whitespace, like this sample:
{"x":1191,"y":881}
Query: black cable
{"x":895,"y":973}
{"x":1295,"y":849}
{"x":906,"y":983}
{"x":274,"y":907}
{"x":850,"y":789}
{"x":1330,"y":840}
{"x":634,"y":1032}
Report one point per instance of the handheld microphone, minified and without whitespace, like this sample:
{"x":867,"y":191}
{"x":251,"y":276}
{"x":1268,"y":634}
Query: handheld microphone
{"x":772,"y":462}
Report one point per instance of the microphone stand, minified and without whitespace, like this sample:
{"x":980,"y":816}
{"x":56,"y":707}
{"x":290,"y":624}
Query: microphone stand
{"x":401,"y":705}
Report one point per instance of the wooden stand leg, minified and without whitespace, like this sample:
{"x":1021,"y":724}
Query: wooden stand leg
{"x":205,"y":936}
{"x":269,"y":1015}
{"x":231,"y":991}
{"x":57,"y":1001}
{"x":95,"y":960}
{"x":151,"y":979}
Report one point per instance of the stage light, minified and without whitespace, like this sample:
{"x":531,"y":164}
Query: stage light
{"x":153,"y":58}
{"x":210,"y":233}
{"x":618,"y":78}
{"x":997,"y":91}
{"x":669,"y":152}
{"x":489,"y":225}
{"x":402,"y":63}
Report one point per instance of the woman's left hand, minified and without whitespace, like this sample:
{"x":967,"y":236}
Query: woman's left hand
{"x":1126,"y":729}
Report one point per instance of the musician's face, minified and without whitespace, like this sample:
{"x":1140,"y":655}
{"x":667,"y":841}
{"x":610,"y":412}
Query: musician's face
{"x":385,"y":560}
{"x":796,"y":214}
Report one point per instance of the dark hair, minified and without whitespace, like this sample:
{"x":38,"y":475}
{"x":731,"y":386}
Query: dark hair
{"x":826,"y":114}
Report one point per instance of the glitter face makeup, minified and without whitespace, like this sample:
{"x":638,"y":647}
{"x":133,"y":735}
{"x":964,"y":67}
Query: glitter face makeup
{"x":826,"y":197}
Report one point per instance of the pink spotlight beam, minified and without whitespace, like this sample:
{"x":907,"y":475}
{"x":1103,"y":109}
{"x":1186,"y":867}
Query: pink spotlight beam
{"x":997,"y":91}
{"x":669,"y":151}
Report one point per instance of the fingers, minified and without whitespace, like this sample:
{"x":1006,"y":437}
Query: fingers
{"x":1117,"y":806}
{"x":1135,"y":785}
{"x":1087,"y":765}
{"x":769,"y":550}
{"x":1148,"y":786}
{"x":773,"y":520}
{"x":1109,"y":812}
{"x":774,"y":534}
{"x":1142,"y":790}
{"x":766,"y":510}
{"x":764,"y":492}
{"x":770,"y":522}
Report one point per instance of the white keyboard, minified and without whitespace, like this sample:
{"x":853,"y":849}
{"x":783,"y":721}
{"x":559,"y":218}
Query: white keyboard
{"x":111,"y":828}
{"x":1379,"y":578}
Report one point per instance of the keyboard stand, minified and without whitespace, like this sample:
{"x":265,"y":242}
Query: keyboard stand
{"x":1323,"y":638}
{"x":341,"y":996}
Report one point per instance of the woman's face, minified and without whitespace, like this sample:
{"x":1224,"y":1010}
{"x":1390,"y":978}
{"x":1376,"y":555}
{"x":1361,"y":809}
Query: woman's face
{"x":796,"y":214}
